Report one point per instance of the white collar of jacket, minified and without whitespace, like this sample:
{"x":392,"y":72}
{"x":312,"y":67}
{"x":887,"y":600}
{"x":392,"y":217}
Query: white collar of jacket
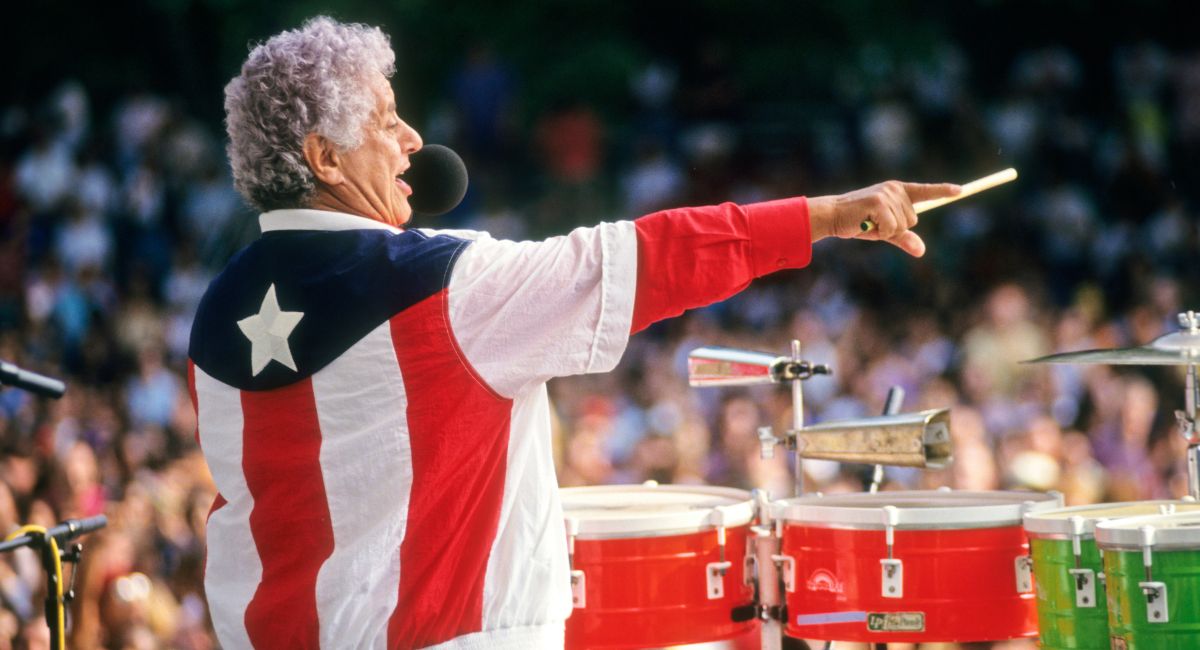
{"x":305,"y":219}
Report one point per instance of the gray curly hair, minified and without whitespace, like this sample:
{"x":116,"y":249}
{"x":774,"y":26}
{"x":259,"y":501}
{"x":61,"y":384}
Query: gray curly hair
{"x":299,"y":82}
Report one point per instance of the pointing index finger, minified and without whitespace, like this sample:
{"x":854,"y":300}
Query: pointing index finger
{"x":926,"y":191}
{"x":942,"y":193}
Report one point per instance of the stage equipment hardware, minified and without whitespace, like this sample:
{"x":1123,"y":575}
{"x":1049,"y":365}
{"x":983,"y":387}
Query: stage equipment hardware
{"x":1180,"y":348}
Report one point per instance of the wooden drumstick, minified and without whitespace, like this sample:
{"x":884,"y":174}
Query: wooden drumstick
{"x":974,"y":187}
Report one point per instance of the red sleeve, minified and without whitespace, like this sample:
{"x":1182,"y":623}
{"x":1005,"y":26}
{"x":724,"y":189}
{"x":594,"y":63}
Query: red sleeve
{"x":691,"y":257}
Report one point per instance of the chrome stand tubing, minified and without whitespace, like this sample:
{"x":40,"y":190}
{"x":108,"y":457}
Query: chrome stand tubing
{"x":797,"y":420}
{"x":771,"y":596}
{"x":1193,"y":469}
{"x":1193,"y":392}
{"x":1188,"y":422}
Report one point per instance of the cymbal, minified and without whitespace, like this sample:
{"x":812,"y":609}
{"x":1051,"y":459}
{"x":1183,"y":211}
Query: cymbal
{"x":1174,"y":349}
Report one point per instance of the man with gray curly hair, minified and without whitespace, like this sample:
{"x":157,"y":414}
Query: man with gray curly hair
{"x":307,"y":93}
{"x":372,"y":399}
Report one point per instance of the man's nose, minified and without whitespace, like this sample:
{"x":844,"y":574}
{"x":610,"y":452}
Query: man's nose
{"x":410,"y":140}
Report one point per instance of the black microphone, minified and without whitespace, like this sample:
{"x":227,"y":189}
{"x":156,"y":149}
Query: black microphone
{"x":438,"y":179}
{"x":31,"y":381}
{"x":72,"y":528}
{"x":63,"y":533}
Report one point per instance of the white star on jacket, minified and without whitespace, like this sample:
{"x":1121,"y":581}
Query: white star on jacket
{"x":268,"y":331}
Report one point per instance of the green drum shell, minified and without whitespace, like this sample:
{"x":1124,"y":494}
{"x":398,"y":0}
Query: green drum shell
{"x":1061,"y":623}
{"x":1180,"y":571}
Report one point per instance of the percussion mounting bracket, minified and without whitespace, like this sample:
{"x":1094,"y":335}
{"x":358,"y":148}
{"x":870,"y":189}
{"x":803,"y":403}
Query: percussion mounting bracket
{"x":797,"y":370}
{"x":751,"y":611}
{"x":767,"y":440}
{"x":747,"y":612}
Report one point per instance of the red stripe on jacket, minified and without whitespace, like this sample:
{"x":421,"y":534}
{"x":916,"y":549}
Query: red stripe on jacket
{"x":458,"y":430}
{"x":290,"y":520}
{"x":692,"y":257}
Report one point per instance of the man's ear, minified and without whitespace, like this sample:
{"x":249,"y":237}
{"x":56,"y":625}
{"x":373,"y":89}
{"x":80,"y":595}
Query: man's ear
{"x":323,"y":159}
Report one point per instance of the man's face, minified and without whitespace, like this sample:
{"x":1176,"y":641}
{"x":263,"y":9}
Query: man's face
{"x":373,"y":187}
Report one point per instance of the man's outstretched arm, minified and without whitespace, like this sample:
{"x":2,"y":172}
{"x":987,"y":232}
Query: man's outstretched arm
{"x":691,"y":257}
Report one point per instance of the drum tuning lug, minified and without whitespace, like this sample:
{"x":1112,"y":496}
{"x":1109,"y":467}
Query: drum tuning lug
{"x":718,"y":520}
{"x":1024,"y":570}
{"x":893,"y":578}
{"x":787,"y":571}
{"x":716,"y":579}
{"x":1085,"y":587}
{"x":1190,"y":321}
{"x":578,"y":586}
{"x":578,"y":589}
{"x":1156,"y":601}
{"x":572,"y":526}
{"x":892,"y":584}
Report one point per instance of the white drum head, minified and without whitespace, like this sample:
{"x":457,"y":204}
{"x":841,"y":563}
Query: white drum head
{"x":1180,"y":531}
{"x":1056,"y":524}
{"x":915,"y":510}
{"x":616,"y":511}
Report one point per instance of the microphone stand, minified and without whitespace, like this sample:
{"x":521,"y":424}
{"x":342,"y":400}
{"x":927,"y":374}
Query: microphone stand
{"x":51,"y":545}
{"x":48,"y":545}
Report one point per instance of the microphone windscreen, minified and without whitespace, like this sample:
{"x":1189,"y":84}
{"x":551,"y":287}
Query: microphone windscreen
{"x":438,"y":178}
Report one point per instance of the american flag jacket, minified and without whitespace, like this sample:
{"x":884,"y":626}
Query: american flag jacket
{"x":372,"y":405}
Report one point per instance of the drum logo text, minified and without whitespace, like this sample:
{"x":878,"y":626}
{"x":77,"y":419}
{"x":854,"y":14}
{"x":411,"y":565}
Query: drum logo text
{"x":824,"y":580}
{"x":896,"y":621}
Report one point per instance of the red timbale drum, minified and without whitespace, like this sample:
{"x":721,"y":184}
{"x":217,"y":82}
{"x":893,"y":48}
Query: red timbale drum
{"x":922,"y":566}
{"x":658,"y":565}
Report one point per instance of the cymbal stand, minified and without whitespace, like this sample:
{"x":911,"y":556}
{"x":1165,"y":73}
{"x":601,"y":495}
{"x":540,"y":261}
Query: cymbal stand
{"x":1187,"y":419}
{"x":1187,"y":423}
{"x":716,"y":366}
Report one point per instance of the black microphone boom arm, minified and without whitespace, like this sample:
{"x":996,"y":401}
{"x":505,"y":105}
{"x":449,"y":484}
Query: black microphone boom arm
{"x":11,"y":375}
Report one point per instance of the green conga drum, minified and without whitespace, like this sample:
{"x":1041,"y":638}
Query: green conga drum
{"x":1152,"y":566}
{"x":1068,"y":571}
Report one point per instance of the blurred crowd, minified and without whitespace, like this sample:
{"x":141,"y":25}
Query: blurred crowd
{"x":113,"y":220}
